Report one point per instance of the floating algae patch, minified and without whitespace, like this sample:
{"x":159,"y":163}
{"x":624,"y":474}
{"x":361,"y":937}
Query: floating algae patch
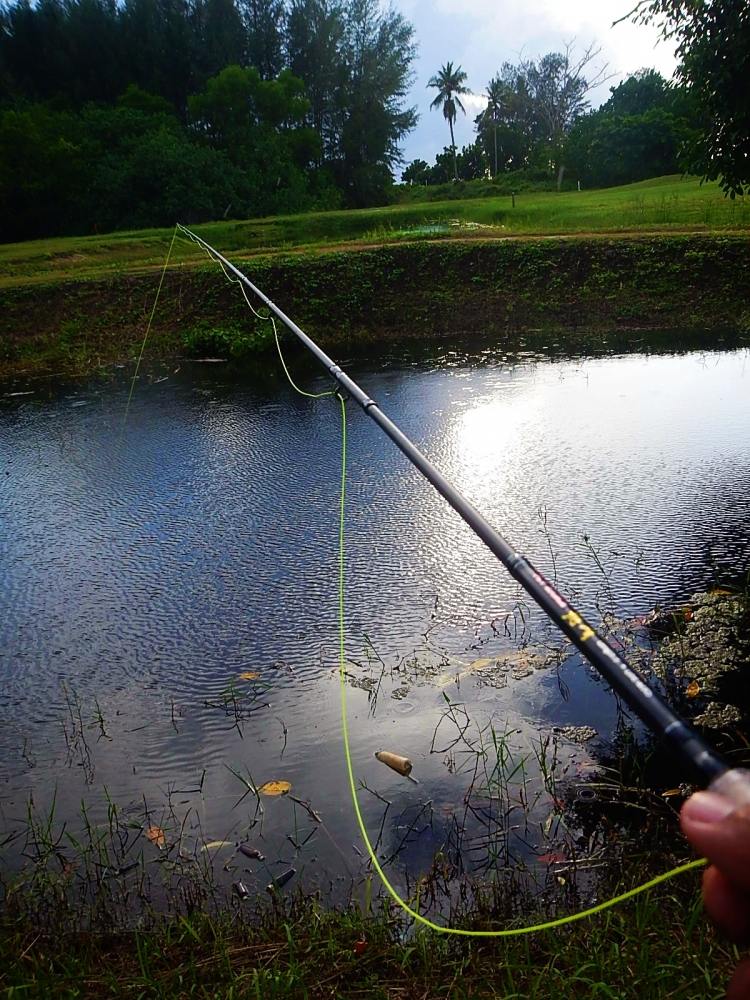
{"x":707,"y":655}
{"x":441,"y":227}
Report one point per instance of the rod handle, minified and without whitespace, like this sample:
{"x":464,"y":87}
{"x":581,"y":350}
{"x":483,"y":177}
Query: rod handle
{"x":734,"y":785}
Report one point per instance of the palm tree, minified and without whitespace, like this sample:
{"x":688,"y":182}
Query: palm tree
{"x":495,"y":102}
{"x":449,"y":84}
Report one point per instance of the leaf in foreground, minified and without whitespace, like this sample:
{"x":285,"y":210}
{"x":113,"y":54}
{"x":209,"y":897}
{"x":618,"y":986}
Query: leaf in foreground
{"x":156,"y":835}
{"x":275,"y":788}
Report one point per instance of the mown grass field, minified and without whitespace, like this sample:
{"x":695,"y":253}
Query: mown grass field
{"x":666,"y":204}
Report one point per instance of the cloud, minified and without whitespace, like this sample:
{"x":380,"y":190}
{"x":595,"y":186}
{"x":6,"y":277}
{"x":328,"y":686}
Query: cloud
{"x":474,"y":103}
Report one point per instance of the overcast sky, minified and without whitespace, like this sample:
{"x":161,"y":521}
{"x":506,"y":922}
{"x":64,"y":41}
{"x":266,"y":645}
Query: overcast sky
{"x":479,"y":35}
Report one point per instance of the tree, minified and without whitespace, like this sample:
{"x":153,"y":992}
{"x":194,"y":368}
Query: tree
{"x":259,"y":125}
{"x":449,"y":83}
{"x":219,"y":37}
{"x":493,"y":111}
{"x":639,"y":93}
{"x":532,"y":107}
{"x":418,"y":172}
{"x":315,"y":53}
{"x":605,"y":148}
{"x":265,"y":24}
{"x":713,"y":45}
{"x":378,"y":50}
{"x":558,"y":91}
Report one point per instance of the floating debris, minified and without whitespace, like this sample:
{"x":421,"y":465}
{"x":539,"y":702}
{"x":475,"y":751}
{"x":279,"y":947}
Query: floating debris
{"x":718,"y":716}
{"x":251,"y":852}
{"x":576,"y":734}
{"x":240,"y":890}
{"x":281,"y":880}
{"x":402,"y":765}
{"x":216,"y":845}
{"x":710,"y":649}
{"x":249,"y":675}
{"x":519,"y":663}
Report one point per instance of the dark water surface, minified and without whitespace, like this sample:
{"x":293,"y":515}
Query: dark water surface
{"x":145,"y":567}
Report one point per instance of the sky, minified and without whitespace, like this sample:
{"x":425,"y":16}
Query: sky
{"x":480,"y":35}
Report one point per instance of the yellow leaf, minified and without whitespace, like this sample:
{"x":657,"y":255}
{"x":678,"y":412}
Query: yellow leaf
{"x":249,"y":675}
{"x":275,"y":788}
{"x":156,"y":835}
{"x":671,"y":792}
{"x":693,"y":689}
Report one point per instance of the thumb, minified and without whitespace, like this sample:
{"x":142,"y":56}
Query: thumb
{"x":716,"y":828}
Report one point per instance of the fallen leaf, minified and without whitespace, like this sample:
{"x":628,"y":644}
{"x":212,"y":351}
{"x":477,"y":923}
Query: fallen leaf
{"x":721,"y":592}
{"x":553,"y":858}
{"x":693,"y":689}
{"x":671,"y":792}
{"x":249,"y":675}
{"x":688,"y":614}
{"x":275,"y":788}
{"x":156,"y":835}
{"x":214,"y":845}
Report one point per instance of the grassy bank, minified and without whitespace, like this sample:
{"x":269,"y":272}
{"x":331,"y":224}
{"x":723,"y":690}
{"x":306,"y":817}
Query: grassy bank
{"x":580,"y":293}
{"x":659,"y":946}
{"x":663,"y":254}
{"x":667,"y":204}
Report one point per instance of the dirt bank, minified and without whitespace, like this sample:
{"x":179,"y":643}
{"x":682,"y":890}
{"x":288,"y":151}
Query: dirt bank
{"x":570,"y":293}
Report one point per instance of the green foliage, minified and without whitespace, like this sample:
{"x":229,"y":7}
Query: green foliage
{"x":206,"y":339}
{"x":212,"y":106}
{"x":417,"y":172}
{"x":640,"y":132}
{"x":713,"y":45}
{"x":606,"y":149}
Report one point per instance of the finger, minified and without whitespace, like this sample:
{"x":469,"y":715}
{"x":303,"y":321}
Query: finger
{"x":726,"y":905}
{"x":739,"y":987}
{"x":716,"y":829}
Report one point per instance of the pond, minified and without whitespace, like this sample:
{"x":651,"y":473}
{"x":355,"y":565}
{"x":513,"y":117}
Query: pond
{"x":155,"y":553}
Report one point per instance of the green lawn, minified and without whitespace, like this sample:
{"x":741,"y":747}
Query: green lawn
{"x":666,"y":204}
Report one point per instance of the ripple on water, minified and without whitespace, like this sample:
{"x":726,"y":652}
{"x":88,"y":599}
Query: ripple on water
{"x":148,"y":567}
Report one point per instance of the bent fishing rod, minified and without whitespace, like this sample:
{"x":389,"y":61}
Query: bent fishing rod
{"x":704,"y":763}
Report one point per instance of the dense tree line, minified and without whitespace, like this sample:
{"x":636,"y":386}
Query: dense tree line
{"x":117,"y":114}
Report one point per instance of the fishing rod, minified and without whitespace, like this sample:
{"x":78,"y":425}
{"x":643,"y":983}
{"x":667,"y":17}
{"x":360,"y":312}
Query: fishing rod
{"x":704,"y":763}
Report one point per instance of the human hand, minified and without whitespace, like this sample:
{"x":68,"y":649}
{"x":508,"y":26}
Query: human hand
{"x":721,"y":831}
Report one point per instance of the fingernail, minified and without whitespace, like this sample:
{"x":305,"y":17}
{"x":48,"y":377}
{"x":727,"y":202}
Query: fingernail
{"x":707,"y":807}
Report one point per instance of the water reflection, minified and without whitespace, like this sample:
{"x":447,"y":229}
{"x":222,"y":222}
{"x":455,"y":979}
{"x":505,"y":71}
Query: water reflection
{"x":145,"y":569}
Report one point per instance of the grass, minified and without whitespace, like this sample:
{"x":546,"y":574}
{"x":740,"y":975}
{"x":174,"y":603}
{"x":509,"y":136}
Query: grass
{"x":666,"y":204}
{"x":659,"y":946}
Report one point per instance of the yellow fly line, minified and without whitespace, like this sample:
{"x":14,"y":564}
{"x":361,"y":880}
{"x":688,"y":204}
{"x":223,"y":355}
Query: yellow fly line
{"x":392,"y":892}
